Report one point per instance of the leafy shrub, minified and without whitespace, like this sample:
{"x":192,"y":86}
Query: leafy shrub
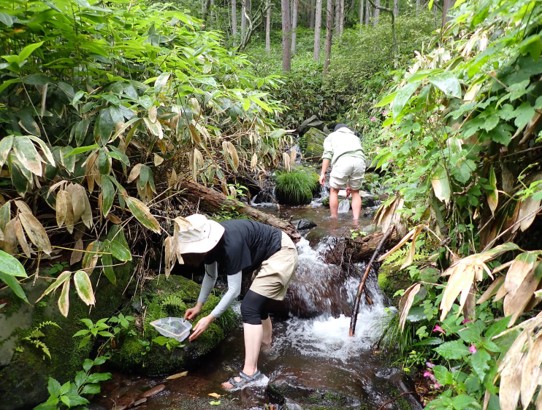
{"x":296,"y":187}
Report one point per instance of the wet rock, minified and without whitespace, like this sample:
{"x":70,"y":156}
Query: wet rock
{"x":139,"y":402}
{"x":312,"y":143}
{"x":303,"y":224}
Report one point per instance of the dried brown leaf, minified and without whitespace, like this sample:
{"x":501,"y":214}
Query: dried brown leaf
{"x":36,"y":232}
{"x":77,"y":255}
{"x":522,"y":265}
{"x":515,"y":302}
{"x":491,"y":290}
{"x":169,"y":255}
{"x":531,"y":372}
{"x":134,"y":173}
{"x":21,"y":238}
{"x":286,"y":161}
{"x":23,"y":207}
{"x":528,"y":209}
{"x":406,"y":303}
{"x":177,"y":375}
{"x":10,"y":242}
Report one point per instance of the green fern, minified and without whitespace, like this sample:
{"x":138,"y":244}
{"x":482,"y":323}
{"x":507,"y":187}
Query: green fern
{"x":173,"y":303}
{"x":35,"y":335}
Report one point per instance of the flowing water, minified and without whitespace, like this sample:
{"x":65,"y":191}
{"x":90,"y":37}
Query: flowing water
{"x":313,"y":363}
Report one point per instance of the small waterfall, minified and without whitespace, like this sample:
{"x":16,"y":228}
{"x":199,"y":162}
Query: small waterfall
{"x":324,"y":297}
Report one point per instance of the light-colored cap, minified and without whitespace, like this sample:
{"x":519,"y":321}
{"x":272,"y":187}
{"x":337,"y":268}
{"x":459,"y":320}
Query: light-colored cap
{"x":197,"y":234}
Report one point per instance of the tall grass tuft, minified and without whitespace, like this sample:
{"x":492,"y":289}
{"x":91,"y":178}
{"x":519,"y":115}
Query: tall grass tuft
{"x":296,"y":187}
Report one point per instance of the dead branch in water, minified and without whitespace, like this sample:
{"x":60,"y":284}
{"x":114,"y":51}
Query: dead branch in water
{"x":361,"y":287}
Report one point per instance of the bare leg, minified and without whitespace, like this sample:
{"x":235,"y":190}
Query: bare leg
{"x":267,"y":333}
{"x":356,"y":204}
{"x":333,"y":202}
{"x":253,"y":341}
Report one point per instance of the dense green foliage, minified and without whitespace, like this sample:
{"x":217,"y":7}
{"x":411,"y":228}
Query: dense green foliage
{"x":104,"y":108}
{"x":461,"y":145}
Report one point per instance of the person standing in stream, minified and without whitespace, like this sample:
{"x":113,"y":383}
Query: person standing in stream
{"x":235,"y":248}
{"x":343,"y":151}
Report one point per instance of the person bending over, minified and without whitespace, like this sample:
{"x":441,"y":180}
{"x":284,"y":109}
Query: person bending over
{"x":235,"y":248}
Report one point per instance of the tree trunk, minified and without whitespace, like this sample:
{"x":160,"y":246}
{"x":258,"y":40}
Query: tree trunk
{"x":329,"y":34}
{"x":417,"y":5}
{"x":206,"y":5}
{"x":361,"y":12}
{"x":286,"y":36}
{"x":312,"y":14}
{"x":268,"y":28}
{"x":376,"y":15}
{"x":317,"y":28}
{"x":213,"y":201}
{"x":234,"y":19}
{"x":446,"y":4}
{"x":295,"y":10}
{"x":396,"y":8}
{"x":341,"y":17}
{"x":367,"y":12}
{"x":243,"y":18}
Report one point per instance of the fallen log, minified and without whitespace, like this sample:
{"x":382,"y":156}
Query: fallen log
{"x":210,"y":200}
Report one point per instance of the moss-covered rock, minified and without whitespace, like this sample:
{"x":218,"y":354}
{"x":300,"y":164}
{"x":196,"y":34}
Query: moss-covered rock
{"x":36,"y":340}
{"x":139,"y":353}
{"x":312,"y":144}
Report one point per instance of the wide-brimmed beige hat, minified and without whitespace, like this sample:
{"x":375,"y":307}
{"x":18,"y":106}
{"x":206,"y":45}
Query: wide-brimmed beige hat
{"x":197,"y":234}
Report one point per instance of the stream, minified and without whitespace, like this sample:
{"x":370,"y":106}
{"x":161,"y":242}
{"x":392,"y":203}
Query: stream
{"x":313,"y":363}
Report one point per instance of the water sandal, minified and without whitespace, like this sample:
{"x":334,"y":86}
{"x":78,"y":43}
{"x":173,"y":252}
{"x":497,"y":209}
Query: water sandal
{"x":245,"y":379}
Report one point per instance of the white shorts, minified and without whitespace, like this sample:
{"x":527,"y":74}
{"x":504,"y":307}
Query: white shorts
{"x":347,"y":171}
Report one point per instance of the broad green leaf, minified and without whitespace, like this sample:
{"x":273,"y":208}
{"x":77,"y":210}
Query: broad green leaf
{"x":524,"y":114}
{"x":9,"y":265}
{"x":13,"y":284}
{"x":80,"y":150}
{"x":63,"y":277}
{"x":104,"y":162}
{"x":6,"y":143}
{"x":441,"y":184}
{"x":532,"y":45}
{"x":119,"y":251}
{"x":447,"y":83}
{"x":80,"y":131}
{"x":84,"y":287}
{"x":493,"y":195}
{"x":443,"y":375}
{"x":26,"y":153}
{"x":108,"y":194}
{"x":479,"y":362}
{"x":64,"y":299}
{"x":7,"y":83}
{"x":28,"y":50}
{"x":142,"y":214}
{"x":402,"y":97}
{"x":463,"y":401}
{"x":386,"y":100}
{"x":6,"y":19}
{"x":453,"y":350}
{"x":45,"y":149}
{"x":109,"y":272}
{"x":161,"y":81}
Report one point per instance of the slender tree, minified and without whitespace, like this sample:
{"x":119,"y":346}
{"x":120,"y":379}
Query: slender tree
{"x":396,"y":8}
{"x":361,"y":12}
{"x":317,"y":28}
{"x":367,"y":12}
{"x":243,"y":18}
{"x":234,"y":18}
{"x":376,"y":15}
{"x":329,"y":34}
{"x":446,"y":5}
{"x":295,"y":10}
{"x":286,"y":36}
{"x":268,"y":27}
{"x":340,"y":4}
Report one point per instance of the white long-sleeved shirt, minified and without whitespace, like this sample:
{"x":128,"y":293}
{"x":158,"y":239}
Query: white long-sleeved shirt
{"x":342,"y":142}
{"x":209,"y":281}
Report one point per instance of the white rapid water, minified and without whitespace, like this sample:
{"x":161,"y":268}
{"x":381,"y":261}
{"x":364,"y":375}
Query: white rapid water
{"x":326,"y":336}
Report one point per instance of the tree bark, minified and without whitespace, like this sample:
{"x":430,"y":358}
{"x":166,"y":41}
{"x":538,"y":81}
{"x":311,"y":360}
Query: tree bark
{"x":396,"y":8}
{"x":213,"y":201}
{"x":329,"y":34}
{"x":446,"y":5}
{"x":361,"y":12}
{"x":243,"y":18}
{"x":341,"y":17}
{"x":268,"y":28}
{"x":286,"y":36}
{"x":234,"y":19}
{"x":295,"y":11}
{"x":367,"y":12}
{"x":317,"y":29}
{"x":376,"y":15}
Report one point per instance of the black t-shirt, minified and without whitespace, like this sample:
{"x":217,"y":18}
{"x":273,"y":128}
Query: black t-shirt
{"x":244,"y":246}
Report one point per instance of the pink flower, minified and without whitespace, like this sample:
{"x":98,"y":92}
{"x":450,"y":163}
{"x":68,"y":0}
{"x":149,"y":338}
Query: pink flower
{"x":385,"y":112}
{"x":429,"y":365}
{"x":429,"y":375}
{"x":472,"y":349}
{"x":467,"y":320}
{"x":373,"y":119}
{"x":438,"y":329}
{"x":437,"y":386}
